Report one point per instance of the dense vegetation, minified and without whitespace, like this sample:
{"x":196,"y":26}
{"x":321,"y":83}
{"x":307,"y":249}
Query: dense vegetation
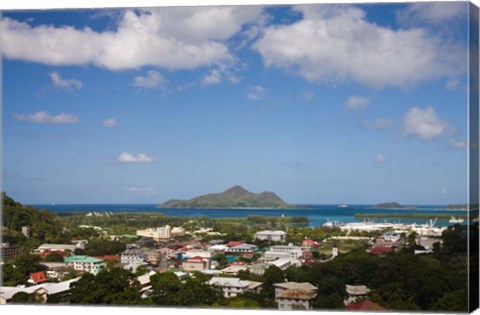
{"x":392,"y":205}
{"x":235,"y":197}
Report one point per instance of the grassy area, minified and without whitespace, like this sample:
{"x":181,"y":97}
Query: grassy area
{"x":343,"y":246}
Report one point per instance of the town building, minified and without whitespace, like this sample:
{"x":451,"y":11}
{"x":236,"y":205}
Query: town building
{"x":133,"y":256}
{"x":293,"y":295}
{"x":66,"y":248}
{"x":234,"y":269}
{"x":355,"y":292}
{"x":37,"y":278}
{"x":153,"y":257}
{"x":85,"y":263}
{"x":244,"y":248}
{"x":232,"y":287}
{"x":8,"y":251}
{"x":276,"y":236}
{"x":293,"y":251}
{"x":178,"y":231}
{"x":258,"y":269}
{"x":196,"y":264}
{"x":56,"y":270}
{"x":42,"y":291}
{"x":284,"y":263}
{"x":157,"y":233}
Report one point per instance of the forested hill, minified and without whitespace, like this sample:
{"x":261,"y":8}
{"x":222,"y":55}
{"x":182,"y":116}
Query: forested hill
{"x":44,"y":226}
{"x":235,"y":197}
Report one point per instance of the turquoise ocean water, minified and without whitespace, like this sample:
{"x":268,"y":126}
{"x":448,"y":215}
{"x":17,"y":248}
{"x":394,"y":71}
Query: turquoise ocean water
{"x":317,"y":214}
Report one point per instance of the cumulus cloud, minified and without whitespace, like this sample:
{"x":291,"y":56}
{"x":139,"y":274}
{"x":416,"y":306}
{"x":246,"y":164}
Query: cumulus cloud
{"x":152,"y":80}
{"x":66,"y":84}
{"x":425,"y":123}
{"x":256,"y":92}
{"x":171,"y":38}
{"x":111,"y":122}
{"x":431,"y":12}
{"x":126,"y":157}
{"x":333,"y":44}
{"x":356,"y":103}
{"x":45,"y":118}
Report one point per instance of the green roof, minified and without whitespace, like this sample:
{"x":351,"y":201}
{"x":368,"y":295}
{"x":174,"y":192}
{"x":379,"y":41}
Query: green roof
{"x":82,"y":258}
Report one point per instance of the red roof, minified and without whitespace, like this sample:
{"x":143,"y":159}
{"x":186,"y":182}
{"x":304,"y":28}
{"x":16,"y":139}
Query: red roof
{"x":197,"y":258}
{"x":234,"y":243}
{"x":366,"y":305}
{"x":55,"y":251}
{"x":380,"y":250}
{"x":307,"y":242}
{"x":238,"y":263}
{"x":38,"y":277}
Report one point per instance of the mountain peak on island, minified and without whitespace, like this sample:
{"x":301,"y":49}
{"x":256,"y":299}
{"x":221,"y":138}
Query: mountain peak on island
{"x":236,"y":190}
{"x":234,"y":197}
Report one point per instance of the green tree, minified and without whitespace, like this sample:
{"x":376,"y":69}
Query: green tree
{"x":54,"y":257}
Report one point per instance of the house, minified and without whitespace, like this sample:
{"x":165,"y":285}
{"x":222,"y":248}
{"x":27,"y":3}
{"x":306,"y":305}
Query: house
{"x":157,"y":233}
{"x":42,"y":291}
{"x":276,"y":236}
{"x":390,"y":239}
{"x":196,"y":264}
{"x":234,"y":269}
{"x":85,"y":263}
{"x":365,"y":305}
{"x":144,"y":281}
{"x":67,"y":248}
{"x":54,"y":251}
{"x":234,"y":243}
{"x":231,"y":287}
{"x":284,"y":263}
{"x":244,"y":248}
{"x":380,"y":250}
{"x":355,"y":292}
{"x":37,"y":278}
{"x":308,"y":244}
{"x":56,"y":270}
{"x":293,"y":295}
{"x":258,"y":269}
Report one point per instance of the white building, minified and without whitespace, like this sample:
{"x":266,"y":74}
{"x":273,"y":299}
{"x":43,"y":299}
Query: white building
{"x":133,"y":257}
{"x":233,"y":286}
{"x":244,"y":248}
{"x":284,"y":263}
{"x":277,"y":236}
{"x":157,"y":233}
{"x":85,"y":263}
{"x":178,"y":231}
{"x":293,"y":251}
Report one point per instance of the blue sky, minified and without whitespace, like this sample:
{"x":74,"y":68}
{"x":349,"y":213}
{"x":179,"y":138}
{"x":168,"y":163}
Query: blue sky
{"x":318,"y":103}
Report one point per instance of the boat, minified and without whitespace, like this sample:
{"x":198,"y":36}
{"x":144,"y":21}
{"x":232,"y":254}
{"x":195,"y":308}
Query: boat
{"x":343,"y":206}
{"x":455,"y":220}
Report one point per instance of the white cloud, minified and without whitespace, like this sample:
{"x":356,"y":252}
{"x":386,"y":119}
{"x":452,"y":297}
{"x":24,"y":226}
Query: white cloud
{"x":454,"y":144}
{"x":111,"y":122}
{"x":431,"y":12}
{"x":168,"y":37}
{"x":453,"y":84}
{"x":45,"y":118}
{"x":425,"y":123}
{"x":380,"y":123}
{"x":126,"y":157}
{"x":66,"y":84}
{"x":256,"y":92}
{"x":336,"y":43}
{"x":356,"y":103}
{"x":378,"y":159}
{"x":152,"y":80}
{"x":142,"y":191}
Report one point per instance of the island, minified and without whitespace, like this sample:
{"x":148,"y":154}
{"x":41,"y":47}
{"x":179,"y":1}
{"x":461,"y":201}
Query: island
{"x":235,"y":197}
{"x":392,"y":205}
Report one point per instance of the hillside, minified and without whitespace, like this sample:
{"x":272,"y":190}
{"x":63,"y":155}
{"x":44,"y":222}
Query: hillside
{"x":392,"y":205}
{"x":235,"y":197}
